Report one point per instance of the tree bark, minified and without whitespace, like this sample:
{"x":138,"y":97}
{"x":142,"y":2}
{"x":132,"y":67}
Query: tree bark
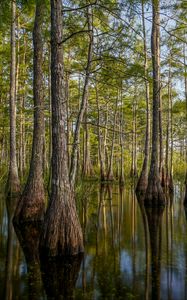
{"x":161,"y":160}
{"x":154,"y":193}
{"x":143,"y":179}
{"x":121,"y":176}
{"x":31,"y":204}
{"x":87,"y":168}
{"x":169,"y":175}
{"x":73,"y":167}
{"x":110,"y":175}
{"x":185,"y":83}
{"x":61,"y":234}
{"x":134,"y":172}
{"x":101,"y":153}
{"x":13,"y":183}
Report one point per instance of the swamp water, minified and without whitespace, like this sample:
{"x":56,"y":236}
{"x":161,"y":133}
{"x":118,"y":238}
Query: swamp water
{"x":130,"y":252}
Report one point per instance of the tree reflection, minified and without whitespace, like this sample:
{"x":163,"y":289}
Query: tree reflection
{"x":154,"y":217}
{"x":147,"y":250}
{"x":9,"y":265}
{"x":60,"y":275}
{"x":152,"y":221}
{"x":28,"y":235}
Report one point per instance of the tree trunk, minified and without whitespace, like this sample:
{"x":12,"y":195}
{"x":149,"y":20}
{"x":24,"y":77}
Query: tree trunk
{"x":73,"y":167}
{"x":101,"y":153}
{"x":154,"y":193}
{"x":169,"y":176}
{"x":161,"y":160}
{"x":67,"y":116}
{"x":143,"y":179}
{"x":121,"y":176}
{"x":110,"y":175}
{"x":31,"y":204}
{"x":13,"y":183}
{"x":134,"y":172}
{"x":87,"y":168}
{"x":61,"y":234}
{"x":185,"y":82}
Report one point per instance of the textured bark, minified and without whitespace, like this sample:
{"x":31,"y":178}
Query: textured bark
{"x":31,"y":204}
{"x":110,"y":175}
{"x":13,"y":183}
{"x":101,"y":153}
{"x":67,"y":116}
{"x":154,"y":193}
{"x":87,"y":168}
{"x":169,"y":134}
{"x":121,"y":172}
{"x":73,"y":166}
{"x":61,"y":234}
{"x":143,"y":179}
{"x":161,"y":158}
{"x":185,"y":81}
{"x":22,"y":148}
{"x":134,"y":172}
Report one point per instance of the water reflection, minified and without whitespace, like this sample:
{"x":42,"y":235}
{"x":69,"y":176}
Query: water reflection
{"x":28,"y":235}
{"x":131,"y":252}
{"x":154,"y":217}
{"x":60,"y":276}
{"x":11,"y":259}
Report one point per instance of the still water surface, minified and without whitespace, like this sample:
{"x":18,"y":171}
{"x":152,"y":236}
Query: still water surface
{"x":130,"y":252}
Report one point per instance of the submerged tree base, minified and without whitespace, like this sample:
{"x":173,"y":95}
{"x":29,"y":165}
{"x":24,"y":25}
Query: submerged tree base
{"x":31,"y":206}
{"x":154,"y":196}
{"x":12,"y":189}
{"x":62,"y":233}
{"x":142,"y":185}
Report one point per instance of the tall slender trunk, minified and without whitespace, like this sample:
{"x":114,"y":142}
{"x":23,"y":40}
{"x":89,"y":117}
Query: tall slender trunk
{"x":121,"y":176}
{"x":134,"y":139}
{"x":18,"y":83}
{"x":87,"y":168}
{"x":61,"y":233}
{"x":31,"y":204}
{"x":185,"y":83}
{"x":171,"y":187}
{"x":154,"y":193}
{"x":110,"y":175}
{"x":169,"y":177}
{"x":67,"y":116}
{"x":73,"y":167}
{"x":161,"y":158}
{"x":13,"y":183}
{"x":101,"y":152}
{"x":143,"y":179}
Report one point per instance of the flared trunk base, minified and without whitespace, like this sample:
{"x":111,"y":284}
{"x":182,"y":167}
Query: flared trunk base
{"x":154,"y":196}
